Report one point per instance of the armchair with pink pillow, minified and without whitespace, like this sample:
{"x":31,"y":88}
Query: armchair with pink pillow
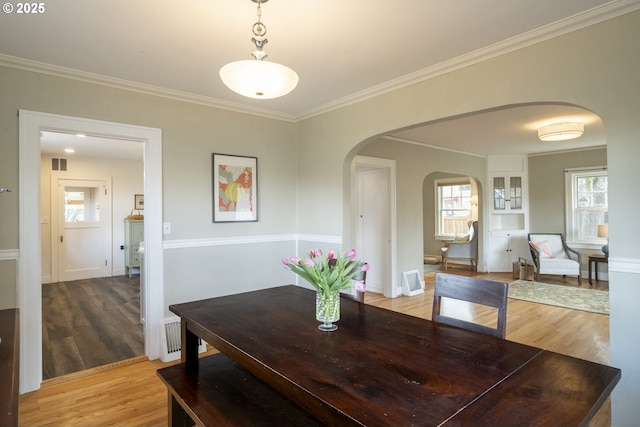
{"x":551,"y":255}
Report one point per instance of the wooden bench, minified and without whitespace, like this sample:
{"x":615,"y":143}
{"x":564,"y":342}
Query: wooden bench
{"x":223,"y":394}
{"x":9,"y":366}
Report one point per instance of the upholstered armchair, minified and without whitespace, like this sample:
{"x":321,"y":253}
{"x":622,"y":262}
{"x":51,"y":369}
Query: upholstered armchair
{"x":464,"y":247}
{"x":551,"y":255}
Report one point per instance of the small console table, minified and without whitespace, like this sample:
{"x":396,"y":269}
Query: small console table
{"x":595,"y":259}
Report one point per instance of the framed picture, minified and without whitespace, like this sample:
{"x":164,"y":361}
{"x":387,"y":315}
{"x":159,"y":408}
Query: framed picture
{"x":235,"y":188}
{"x":138,"y":201}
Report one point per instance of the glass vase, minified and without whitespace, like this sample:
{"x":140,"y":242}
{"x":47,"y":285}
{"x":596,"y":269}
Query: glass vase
{"x":328,"y":310}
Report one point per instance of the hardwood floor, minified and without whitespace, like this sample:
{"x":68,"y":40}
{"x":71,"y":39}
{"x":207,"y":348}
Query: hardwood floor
{"x":90,"y":323}
{"x":134,"y":396}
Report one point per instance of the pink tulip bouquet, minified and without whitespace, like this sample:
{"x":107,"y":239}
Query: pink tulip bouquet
{"x":328,"y":273}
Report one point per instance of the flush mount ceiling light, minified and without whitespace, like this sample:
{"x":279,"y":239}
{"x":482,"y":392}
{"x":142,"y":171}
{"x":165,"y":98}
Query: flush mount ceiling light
{"x":256,"y":78}
{"x":561,"y":131}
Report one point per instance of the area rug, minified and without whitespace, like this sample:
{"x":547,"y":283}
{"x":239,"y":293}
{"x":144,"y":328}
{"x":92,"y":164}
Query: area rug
{"x":430,"y":268}
{"x":561,"y":296}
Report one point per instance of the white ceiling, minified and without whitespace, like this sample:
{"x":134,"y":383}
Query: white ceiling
{"x":343,"y":50}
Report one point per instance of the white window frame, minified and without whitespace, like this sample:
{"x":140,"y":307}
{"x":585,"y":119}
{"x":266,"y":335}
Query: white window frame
{"x":571,"y":209}
{"x":438,"y":199}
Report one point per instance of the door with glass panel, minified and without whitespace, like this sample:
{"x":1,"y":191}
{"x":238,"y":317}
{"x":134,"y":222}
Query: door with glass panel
{"x":81,"y":240}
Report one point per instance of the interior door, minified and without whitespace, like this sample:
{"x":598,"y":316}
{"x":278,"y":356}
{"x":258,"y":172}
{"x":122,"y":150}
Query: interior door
{"x":374,"y":237}
{"x":82,"y":229}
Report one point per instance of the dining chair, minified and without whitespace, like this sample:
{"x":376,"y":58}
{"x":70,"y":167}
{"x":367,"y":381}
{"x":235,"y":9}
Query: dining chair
{"x":478,"y":291}
{"x":464,"y":247}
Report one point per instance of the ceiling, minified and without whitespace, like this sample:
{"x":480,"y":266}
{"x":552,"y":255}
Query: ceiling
{"x":343,"y":51}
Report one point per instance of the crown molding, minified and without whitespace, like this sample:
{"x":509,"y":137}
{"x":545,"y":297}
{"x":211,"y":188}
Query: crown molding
{"x":99,"y":79}
{"x":434,"y":147}
{"x":564,"y":26}
{"x":590,"y":17}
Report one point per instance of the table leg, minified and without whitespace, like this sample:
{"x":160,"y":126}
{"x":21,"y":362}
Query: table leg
{"x":177,"y":415}
{"x":590,"y":262}
{"x":189,"y":348}
{"x":596,"y":268}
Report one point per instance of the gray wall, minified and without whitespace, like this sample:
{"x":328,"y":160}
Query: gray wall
{"x":547,"y":186}
{"x":547,"y":193}
{"x":303,"y":167}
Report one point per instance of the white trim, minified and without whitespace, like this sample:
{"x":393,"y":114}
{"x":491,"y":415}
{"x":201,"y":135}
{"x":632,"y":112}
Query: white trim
{"x":624,"y":265}
{"x":570,"y":191}
{"x":249,"y":240}
{"x":319,"y":238}
{"x":434,"y":147}
{"x":9,"y":254}
{"x":29,"y":267}
{"x":587,"y":18}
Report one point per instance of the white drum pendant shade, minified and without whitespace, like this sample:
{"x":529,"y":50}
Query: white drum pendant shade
{"x":259,"y":79}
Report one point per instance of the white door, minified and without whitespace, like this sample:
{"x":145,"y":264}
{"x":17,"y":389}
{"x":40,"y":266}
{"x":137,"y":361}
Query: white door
{"x":82,"y":245}
{"x":373,"y":228}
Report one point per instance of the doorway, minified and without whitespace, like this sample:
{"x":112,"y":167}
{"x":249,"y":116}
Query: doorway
{"x":81,"y":229}
{"x":374,"y":219}
{"x":31,"y":124}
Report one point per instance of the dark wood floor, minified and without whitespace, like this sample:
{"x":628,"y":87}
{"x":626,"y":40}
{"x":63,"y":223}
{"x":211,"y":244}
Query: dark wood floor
{"x":90,"y":323}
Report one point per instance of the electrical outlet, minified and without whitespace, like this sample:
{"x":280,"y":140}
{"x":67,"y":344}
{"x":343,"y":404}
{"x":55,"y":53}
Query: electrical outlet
{"x":166,"y":228}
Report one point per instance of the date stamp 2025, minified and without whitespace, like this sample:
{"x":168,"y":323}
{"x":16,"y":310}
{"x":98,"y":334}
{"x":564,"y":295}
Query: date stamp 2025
{"x":24,"y":8}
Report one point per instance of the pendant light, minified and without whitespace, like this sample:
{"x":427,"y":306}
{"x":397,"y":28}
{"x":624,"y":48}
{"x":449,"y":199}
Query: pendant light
{"x":257,"y":78}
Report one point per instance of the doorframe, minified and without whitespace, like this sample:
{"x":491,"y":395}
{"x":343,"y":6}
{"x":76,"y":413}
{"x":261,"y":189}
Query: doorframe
{"x":55,"y":222}
{"x":30,"y":124}
{"x":390,"y":290}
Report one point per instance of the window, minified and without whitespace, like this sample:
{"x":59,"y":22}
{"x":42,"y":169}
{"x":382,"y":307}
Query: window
{"x":454,"y":206}
{"x":587,"y":205}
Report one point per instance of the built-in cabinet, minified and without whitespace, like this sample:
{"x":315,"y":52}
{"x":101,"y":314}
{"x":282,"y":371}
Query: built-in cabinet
{"x":133,"y":235}
{"x":508,"y":223}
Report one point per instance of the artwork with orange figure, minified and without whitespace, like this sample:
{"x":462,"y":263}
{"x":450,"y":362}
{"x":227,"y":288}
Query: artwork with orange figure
{"x":235,"y":185}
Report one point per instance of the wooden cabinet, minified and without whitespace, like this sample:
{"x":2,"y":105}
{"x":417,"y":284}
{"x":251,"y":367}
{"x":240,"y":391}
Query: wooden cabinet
{"x":133,"y":235}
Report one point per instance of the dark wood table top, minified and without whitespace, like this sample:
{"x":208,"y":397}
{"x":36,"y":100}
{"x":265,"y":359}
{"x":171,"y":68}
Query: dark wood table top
{"x":386,"y":368}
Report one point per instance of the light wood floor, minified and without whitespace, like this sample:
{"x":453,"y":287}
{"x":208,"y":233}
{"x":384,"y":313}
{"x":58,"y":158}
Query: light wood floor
{"x":132,"y":395}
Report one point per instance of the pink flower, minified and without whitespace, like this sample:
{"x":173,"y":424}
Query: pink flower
{"x":319,"y":252}
{"x":331,"y":255}
{"x":360,"y":286}
{"x":295,"y":260}
{"x":365,"y":267}
{"x":312,"y":254}
{"x":351,"y":254}
{"x":309,"y":262}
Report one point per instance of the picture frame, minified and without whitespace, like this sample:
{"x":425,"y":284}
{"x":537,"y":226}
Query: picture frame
{"x":138,"y":201}
{"x":234,"y":188}
{"x":412,"y":283}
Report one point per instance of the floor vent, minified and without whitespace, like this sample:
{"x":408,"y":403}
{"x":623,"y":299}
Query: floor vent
{"x":172,"y":341}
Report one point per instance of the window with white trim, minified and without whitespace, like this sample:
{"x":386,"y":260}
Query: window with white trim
{"x":453,"y":205}
{"x":587,"y":205}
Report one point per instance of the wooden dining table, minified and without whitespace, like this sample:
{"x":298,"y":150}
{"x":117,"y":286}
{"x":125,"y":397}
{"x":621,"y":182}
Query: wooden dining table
{"x":384,"y":368}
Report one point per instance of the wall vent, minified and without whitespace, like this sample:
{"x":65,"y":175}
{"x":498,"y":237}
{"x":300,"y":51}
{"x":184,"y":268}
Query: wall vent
{"x":58,"y":164}
{"x":172,"y":340}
